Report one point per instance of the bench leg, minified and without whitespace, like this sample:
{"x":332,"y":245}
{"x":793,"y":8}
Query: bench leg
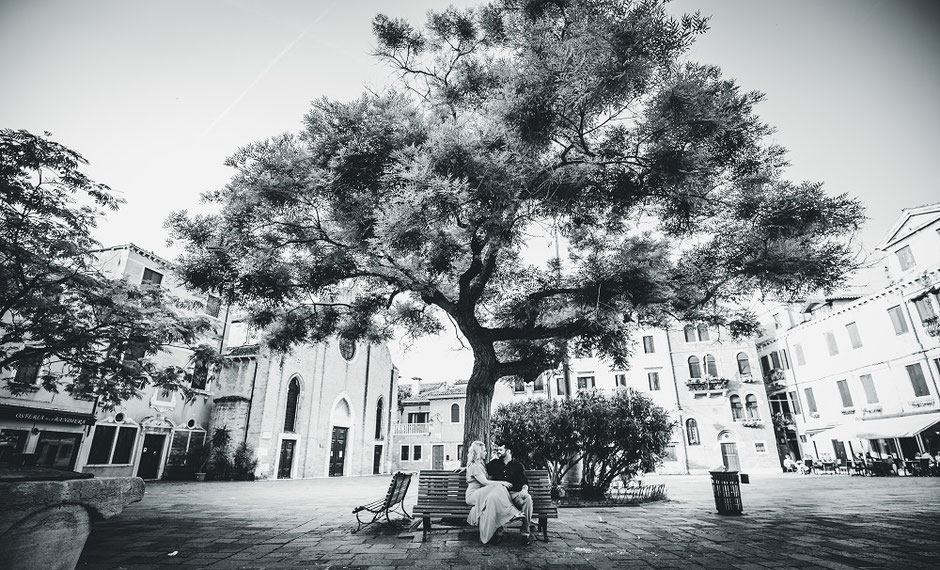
{"x":543,"y":525}
{"x":426,"y":528}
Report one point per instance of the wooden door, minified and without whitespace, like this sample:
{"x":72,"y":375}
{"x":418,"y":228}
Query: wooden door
{"x":377,"y":460}
{"x":286,"y":462}
{"x":729,"y":456}
{"x":338,"y":451}
{"x":150,"y":456}
{"x":437,"y":457}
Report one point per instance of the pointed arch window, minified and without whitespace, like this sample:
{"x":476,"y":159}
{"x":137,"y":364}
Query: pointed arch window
{"x":737,"y":410}
{"x":691,"y":432}
{"x":711,"y":367}
{"x":695,"y":369}
{"x":750,"y":406}
{"x":744,"y":363}
{"x":454,"y":414}
{"x":290,"y":413}
{"x":379,"y":417}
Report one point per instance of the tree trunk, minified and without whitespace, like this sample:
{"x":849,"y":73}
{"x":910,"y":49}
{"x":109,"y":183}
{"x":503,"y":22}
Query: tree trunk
{"x":479,"y":399}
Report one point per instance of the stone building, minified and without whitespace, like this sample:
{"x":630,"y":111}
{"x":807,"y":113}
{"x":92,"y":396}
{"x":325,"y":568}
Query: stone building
{"x":136,"y":438}
{"x":860,"y":373}
{"x":320,"y":410}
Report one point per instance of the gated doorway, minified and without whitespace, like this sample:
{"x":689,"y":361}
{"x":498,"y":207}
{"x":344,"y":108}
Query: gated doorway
{"x":729,"y":456}
{"x":150,"y":455}
{"x":285,"y":464}
{"x":338,"y":451}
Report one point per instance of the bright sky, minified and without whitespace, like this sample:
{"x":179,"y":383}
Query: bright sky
{"x":156,"y":94}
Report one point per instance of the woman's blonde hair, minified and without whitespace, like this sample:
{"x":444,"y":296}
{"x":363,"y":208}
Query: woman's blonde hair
{"x":476,"y":453}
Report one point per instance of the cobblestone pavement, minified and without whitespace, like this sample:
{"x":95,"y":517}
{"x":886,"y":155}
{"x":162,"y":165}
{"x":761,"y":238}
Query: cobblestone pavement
{"x":790,"y":521}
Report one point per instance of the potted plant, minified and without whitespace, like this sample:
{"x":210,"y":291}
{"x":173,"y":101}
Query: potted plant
{"x":215,"y":456}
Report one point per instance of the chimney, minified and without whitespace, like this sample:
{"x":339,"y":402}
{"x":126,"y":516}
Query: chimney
{"x":415,"y":386}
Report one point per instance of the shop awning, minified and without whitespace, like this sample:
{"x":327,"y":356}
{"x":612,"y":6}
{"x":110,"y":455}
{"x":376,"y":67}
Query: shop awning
{"x":884,"y":428}
{"x":890,"y":428}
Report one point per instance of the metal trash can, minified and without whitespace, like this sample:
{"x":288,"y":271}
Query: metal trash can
{"x":727,"y":489}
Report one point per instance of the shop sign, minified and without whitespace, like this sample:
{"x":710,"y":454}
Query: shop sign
{"x":51,"y":416}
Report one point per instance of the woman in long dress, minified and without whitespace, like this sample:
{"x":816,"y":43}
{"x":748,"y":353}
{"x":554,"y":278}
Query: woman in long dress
{"x":492,"y":505}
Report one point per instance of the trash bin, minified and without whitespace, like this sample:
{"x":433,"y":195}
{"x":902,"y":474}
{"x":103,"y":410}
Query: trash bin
{"x":727,"y":490}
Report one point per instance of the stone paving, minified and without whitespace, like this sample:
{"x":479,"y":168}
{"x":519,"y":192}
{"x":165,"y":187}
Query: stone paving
{"x":789,"y":521}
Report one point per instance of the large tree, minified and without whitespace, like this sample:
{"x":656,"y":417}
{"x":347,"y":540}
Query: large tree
{"x":521,"y":117}
{"x":91,"y":335}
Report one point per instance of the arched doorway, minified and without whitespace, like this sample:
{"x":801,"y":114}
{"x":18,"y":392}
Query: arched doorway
{"x":341,"y":420}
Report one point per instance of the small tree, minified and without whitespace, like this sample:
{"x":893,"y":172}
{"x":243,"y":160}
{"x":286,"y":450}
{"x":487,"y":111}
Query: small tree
{"x":57,"y":311}
{"x":611,"y":436}
{"x":244,"y":463}
{"x":216,"y":462}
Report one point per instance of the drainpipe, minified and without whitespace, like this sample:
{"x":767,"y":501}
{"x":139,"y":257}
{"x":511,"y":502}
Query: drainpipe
{"x":675,"y":385}
{"x":251,"y":400}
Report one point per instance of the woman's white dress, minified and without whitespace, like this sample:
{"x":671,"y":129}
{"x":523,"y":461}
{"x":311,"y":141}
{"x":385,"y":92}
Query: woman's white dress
{"x":492,"y":505}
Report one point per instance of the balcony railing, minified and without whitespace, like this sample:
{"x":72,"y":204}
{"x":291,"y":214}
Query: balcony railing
{"x":707,"y":384}
{"x":748,"y":378}
{"x":784,"y":421}
{"x":412,"y":429}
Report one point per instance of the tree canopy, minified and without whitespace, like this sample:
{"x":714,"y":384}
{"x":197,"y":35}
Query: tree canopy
{"x":581,"y":117}
{"x":58,"y":313}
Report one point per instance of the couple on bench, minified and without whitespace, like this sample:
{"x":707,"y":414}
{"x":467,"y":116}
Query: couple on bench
{"x":498,"y":491}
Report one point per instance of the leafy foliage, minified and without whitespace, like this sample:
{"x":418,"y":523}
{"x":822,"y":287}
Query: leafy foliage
{"x":614,"y":436}
{"x":521,"y":117}
{"x":56,"y":308}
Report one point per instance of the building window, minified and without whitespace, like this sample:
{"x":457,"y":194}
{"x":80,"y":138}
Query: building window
{"x":831,"y":343}
{"x":620,"y":380}
{"x":454,"y":413}
{"x":648,"y":347}
{"x":200,"y":378}
{"x":845,"y":393}
{"x":691,"y":432}
{"x":112,"y":445}
{"x":800,"y":357}
{"x":380,"y":419}
{"x":539,"y":385}
{"x":784,"y":359}
{"x":518,"y":385}
{"x":854,"y":338}
{"x":347,"y":348}
{"x":12,"y":441}
{"x":868,"y":385}
{"x":654,"y":381}
{"x":711,"y":367}
{"x":918,"y":382}
{"x":924,"y":308}
{"x":775,"y":359}
{"x":290,"y":413}
{"x":777,"y":324}
{"x":213,"y":306}
{"x":418,"y":417}
{"x":689,"y":331}
{"x":737,"y":410}
{"x":416,"y":456}
{"x":585,"y":382}
{"x":151,"y":278}
{"x":765,"y":365}
{"x":897,"y":319}
{"x":795,"y":403}
{"x":810,"y":401}
{"x":744,"y":364}
{"x":460,"y":452}
{"x":703,"y":332}
{"x":750,"y":406}
{"x":404,"y":453}
{"x":164,"y":395}
{"x":560,"y":382}
{"x":905,"y":257}
{"x":27,"y":372}
{"x":695,"y":370}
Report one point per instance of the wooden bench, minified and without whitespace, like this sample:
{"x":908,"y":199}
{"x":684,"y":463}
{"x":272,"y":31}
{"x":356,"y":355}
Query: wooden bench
{"x":395,"y":497}
{"x":441,"y":494}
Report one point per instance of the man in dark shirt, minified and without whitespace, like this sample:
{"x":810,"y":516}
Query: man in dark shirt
{"x":505,"y":468}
